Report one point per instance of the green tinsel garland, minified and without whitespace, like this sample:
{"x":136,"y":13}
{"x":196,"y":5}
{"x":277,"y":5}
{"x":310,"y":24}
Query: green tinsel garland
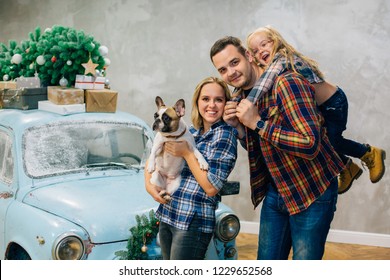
{"x":141,"y":235}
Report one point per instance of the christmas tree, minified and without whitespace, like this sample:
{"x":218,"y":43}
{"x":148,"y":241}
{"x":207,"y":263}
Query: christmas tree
{"x":56,"y":56}
{"x":142,"y":235}
{"x":9,"y":56}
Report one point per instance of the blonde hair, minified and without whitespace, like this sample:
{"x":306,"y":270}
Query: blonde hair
{"x":281,"y":46}
{"x":196,"y":118}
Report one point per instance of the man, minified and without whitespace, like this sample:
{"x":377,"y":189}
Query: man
{"x":293,"y":167}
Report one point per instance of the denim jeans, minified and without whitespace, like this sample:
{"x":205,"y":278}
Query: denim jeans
{"x":304,"y":232}
{"x":335,"y":113}
{"x":188,"y":244}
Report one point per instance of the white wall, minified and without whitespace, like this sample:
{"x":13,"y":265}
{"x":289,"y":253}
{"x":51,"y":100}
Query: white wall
{"x":162,"y":48}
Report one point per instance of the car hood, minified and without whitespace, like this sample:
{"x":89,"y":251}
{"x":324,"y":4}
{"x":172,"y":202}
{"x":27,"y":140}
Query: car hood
{"x":104,"y":207}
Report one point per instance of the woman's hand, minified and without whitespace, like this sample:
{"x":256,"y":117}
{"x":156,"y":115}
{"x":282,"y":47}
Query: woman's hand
{"x":181,"y":149}
{"x":229,"y":115}
{"x":177,"y":148}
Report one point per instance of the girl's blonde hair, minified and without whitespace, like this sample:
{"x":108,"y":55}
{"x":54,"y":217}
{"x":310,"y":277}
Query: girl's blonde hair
{"x":281,"y":46}
{"x":196,"y":118}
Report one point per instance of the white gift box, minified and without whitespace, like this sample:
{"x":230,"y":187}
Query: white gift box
{"x":61,"y":109}
{"x":89,"y":82}
{"x":29,"y":82}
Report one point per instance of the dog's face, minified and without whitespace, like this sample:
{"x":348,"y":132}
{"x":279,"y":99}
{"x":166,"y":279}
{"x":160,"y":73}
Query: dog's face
{"x":167,"y":119}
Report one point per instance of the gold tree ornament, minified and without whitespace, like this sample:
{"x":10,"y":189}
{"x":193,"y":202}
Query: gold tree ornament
{"x":90,"y":67}
{"x":144,"y":248}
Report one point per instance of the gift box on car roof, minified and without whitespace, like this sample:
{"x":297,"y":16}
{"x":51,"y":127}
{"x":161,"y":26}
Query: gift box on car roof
{"x":89,"y":82}
{"x":25,"y":96}
{"x":65,"y":95}
{"x":61,"y":109}
{"x":7,"y":85}
{"x":103,"y":101}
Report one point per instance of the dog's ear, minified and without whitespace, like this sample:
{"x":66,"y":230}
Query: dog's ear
{"x":180,"y":107}
{"x":159,"y":102}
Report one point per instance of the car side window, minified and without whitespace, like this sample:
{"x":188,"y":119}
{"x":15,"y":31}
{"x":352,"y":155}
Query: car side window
{"x":6,"y":158}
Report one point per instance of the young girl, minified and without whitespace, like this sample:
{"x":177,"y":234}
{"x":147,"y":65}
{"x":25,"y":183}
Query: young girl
{"x":273,"y":53}
{"x":187,"y":221}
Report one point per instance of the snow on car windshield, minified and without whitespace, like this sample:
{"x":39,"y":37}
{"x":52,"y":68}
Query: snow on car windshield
{"x":66,"y":147}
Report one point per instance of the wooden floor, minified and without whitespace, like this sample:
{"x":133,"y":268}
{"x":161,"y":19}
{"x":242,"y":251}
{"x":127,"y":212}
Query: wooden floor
{"x":247,"y":250}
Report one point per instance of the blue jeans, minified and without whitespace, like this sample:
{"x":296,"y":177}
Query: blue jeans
{"x":188,"y":244}
{"x":335,"y":113}
{"x":304,"y":232}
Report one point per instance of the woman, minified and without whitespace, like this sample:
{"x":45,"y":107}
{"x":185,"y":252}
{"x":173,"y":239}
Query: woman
{"x":187,"y":221}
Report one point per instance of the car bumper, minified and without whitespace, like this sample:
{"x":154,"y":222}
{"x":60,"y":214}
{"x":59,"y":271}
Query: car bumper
{"x":118,"y":250}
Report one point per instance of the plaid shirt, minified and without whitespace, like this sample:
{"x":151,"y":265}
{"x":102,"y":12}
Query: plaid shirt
{"x":278,"y":66}
{"x":219,"y":148}
{"x":293,"y":151}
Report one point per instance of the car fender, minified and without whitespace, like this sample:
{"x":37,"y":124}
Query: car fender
{"x":36,"y":231}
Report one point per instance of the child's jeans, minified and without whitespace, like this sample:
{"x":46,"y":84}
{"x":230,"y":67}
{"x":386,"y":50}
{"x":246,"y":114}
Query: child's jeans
{"x":335,"y":113}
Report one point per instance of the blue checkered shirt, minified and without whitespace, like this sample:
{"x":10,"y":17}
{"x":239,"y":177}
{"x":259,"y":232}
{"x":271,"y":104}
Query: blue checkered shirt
{"x":219,"y":148}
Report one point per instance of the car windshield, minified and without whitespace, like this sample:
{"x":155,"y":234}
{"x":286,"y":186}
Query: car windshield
{"x":68,"y":147}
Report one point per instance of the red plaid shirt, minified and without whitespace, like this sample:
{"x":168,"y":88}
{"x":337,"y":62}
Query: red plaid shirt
{"x":293,"y":150}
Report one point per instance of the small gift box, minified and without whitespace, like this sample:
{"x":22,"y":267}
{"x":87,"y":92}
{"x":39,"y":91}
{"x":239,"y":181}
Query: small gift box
{"x":64,"y":95}
{"x":29,"y":82}
{"x":47,"y":105}
{"x":89,"y":82}
{"x":8,"y":85}
{"x":101,"y":100}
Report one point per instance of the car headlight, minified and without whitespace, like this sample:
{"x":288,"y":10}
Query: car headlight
{"x":227,"y":227}
{"x":68,"y":247}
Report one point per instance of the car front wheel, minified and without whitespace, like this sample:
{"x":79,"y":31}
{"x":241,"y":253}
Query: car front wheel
{"x":18,"y":253}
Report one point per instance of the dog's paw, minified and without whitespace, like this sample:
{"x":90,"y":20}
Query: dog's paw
{"x":165,"y":196}
{"x":203,"y":165}
{"x":150,"y":168}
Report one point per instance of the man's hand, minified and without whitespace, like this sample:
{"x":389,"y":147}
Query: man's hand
{"x":247,"y":114}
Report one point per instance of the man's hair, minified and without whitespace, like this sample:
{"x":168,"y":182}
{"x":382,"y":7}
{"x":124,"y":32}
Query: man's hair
{"x":222,"y":43}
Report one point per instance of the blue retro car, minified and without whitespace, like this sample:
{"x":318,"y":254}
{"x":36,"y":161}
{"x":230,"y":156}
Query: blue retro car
{"x":71,"y":187}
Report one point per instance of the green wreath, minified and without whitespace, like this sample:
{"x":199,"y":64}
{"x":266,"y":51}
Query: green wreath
{"x":141,"y":235}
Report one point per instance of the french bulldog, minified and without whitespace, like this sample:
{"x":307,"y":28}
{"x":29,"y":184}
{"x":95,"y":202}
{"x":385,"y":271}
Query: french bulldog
{"x":166,"y":168}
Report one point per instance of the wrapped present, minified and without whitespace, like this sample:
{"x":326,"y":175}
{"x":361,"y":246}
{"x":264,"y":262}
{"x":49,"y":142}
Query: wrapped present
{"x":22,"y":98}
{"x":8,"y":85}
{"x":64,"y":95}
{"x":101,"y":100}
{"x":29,"y":82}
{"x":89,"y":82}
{"x":61,"y":109}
